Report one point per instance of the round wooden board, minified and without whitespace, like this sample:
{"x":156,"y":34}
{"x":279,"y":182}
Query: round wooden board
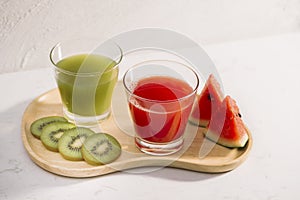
{"x":197,"y":154}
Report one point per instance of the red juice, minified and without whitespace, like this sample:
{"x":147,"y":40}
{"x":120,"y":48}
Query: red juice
{"x":160,"y":109}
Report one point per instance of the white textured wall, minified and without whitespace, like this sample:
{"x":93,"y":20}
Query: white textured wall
{"x":29,"y":28}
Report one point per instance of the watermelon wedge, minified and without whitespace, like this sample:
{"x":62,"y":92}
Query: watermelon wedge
{"x":226,"y":126}
{"x":207,"y":101}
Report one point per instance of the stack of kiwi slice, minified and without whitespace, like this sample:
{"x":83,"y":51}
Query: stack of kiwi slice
{"x":75,"y":143}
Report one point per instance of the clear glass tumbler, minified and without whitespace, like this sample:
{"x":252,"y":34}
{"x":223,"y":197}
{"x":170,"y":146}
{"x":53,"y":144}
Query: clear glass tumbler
{"x":86,"y":73}
{"x":160,"y":96}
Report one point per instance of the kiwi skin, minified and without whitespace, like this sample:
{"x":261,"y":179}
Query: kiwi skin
{"x":37,"y":126}
{"x":89,"y":146}
{"x":51,"y":134}
{"x":73,"y":138}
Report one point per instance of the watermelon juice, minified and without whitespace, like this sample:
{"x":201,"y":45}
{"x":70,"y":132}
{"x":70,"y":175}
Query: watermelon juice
{"x":160,"y":96}
{"x":160,"y":107}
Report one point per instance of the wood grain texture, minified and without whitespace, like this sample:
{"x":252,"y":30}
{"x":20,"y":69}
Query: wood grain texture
{"x":198,"y":153}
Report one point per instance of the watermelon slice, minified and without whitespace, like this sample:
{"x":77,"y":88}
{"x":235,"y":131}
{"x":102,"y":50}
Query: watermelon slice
{"x":207,"y":101}
{"x":226,"y":126}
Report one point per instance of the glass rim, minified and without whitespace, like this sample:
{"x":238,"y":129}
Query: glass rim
{"x":84,"y":73}
{"x":161,"y":101}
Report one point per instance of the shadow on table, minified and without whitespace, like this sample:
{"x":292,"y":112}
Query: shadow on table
{"x":18,"y":174}
{"x":182,"y":175}
{"x":173,"y":173}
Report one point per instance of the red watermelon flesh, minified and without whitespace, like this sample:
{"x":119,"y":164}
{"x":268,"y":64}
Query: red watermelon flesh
{"x":226,"y":126}
{"x":207,"y":101}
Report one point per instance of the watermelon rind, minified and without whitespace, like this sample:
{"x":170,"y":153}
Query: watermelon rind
{"x":238,"y":143}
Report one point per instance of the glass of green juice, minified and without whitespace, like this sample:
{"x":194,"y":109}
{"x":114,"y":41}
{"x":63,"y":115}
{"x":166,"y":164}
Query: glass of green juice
{"x":86,"y":73}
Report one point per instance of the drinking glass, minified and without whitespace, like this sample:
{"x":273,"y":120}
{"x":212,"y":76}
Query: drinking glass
{"x":160,"y":95}
{"x":86,"y":73}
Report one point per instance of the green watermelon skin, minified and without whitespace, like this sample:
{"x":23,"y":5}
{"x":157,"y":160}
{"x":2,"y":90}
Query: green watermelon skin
{"x":226,"y":126}
{"x":206,"y":102}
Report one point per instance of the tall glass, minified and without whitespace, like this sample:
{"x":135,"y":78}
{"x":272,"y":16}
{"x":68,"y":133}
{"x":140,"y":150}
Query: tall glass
{"x":160,"y":96}
{"x":86,"y":74}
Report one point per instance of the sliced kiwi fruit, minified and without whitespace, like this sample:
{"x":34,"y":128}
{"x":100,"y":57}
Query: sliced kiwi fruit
{"x":38,"y":125}
{"x":100,"y":148}
{"x":51,"y":134}
{"x":69,"y":144}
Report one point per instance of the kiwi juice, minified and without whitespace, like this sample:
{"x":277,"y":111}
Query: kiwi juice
{"x":86,"y":83}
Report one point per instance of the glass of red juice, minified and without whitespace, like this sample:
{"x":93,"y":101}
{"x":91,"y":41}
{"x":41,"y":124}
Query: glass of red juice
{"x":160,"y":96}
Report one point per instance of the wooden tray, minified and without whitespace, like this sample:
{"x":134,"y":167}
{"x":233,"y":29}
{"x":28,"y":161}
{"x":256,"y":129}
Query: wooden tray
{"x":197,"y":154}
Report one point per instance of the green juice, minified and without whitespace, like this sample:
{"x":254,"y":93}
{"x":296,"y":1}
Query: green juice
{"x":86,"y":83}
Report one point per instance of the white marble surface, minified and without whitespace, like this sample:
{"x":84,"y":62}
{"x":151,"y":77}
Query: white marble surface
{"x":28,"y":29}
{"x":261,"y":74}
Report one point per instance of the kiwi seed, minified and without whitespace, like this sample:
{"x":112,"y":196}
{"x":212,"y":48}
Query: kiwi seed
{"x":100,"y":148}
{"x":69,"y":145}
{"x":51,"y":134}
{"x":38,"y":125}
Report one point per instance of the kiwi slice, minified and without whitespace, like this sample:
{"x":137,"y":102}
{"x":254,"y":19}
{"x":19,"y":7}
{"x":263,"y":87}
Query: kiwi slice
{"x":51,"y":134}
{"x":100,"y":148}
{"x":38,"y":125}
{"x":69,"y":144}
